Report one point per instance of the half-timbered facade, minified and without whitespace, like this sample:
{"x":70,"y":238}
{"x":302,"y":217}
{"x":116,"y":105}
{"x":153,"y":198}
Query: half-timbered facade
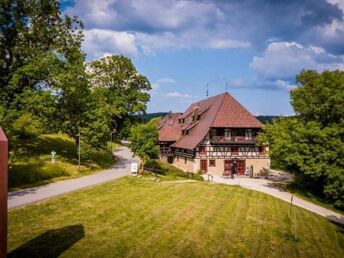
{"x":213,"y":136}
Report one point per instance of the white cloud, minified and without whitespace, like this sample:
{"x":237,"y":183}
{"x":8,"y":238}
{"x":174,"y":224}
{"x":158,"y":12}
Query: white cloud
{"x":286,"y":59}
{"x":238,"y":83}
{"x":155,"y":24}
{"x":161,"y":81}
{"x":100,"y":42}
{"x":166,"y":80}
{"x":176,"y":94}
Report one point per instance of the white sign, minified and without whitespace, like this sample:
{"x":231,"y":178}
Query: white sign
{"x":134,"y":168}
{"x":53,"y":153}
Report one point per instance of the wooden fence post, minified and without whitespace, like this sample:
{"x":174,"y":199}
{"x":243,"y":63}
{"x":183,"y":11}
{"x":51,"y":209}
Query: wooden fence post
{"x":3,"y":193}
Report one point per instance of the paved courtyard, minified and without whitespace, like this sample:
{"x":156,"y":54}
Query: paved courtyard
{"x":272,"y":186}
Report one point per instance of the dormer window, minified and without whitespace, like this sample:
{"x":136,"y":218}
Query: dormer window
{"x":185,"y":132}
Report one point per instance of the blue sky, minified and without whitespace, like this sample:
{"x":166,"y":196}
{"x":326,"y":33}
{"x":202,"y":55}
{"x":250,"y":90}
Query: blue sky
{"x":254,"y":47}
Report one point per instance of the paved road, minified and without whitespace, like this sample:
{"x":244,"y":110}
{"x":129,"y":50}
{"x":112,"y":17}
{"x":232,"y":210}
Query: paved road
{"x":272,"y":186}
{"x":30,"y":195}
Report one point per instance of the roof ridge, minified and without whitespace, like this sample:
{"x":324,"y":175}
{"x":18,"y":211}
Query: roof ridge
{"x":223,"y":100}
{"x":242,"y":107}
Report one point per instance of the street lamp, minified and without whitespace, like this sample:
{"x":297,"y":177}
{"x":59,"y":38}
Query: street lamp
{"x":79,"y":140}
{"x":111,"y":135}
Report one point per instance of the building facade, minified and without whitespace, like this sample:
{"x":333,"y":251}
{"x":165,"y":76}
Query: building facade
{"x":216,"y":135}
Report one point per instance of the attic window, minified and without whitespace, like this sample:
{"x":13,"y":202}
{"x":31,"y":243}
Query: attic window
{"x":185,"y":132}
{"x":195,"y":118}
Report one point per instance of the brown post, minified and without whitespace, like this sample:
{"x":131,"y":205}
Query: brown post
{"x":3,"y":193}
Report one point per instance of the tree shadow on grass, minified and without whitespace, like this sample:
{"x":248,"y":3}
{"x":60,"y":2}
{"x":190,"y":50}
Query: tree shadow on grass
{"x":51,"y":243}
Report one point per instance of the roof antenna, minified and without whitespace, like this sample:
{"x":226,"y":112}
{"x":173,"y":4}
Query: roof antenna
{"x":226,"y":88}
{"x":207,"y":93}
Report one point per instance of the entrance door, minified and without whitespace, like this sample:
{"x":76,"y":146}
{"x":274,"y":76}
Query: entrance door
{"x":204,"y":166}
{"x":241,"y":167}
{"x":227,"y":171}
{"x":238,"y":164}
{"x":170,"y":159}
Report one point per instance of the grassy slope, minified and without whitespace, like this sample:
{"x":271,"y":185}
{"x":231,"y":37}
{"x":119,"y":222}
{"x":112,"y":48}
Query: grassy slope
{"x":170,"y":172}
{"x":141,"y":218}
{"x":30,"y":161}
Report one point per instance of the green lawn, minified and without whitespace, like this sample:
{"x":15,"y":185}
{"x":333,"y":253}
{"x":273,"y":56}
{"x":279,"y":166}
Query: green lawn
{"x":30,"y":160}
{"x":169,"y":172}
{"x":133,"y":217}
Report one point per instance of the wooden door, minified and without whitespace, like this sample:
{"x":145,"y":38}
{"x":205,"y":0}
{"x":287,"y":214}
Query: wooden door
{"x":204,"y":166}
{"x":241,"y":167}
{"x":238,"y":164}
{"x":227,"y":167}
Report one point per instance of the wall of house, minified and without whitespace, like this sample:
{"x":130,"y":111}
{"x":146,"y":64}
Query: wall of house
{"x":259,"y":165}
{"x":179,"y":162}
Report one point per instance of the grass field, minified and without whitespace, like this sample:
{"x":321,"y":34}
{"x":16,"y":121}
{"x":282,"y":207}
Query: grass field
{"x":169,"y":172}
{"x":133,"y":217}
{"x":30,"y":160}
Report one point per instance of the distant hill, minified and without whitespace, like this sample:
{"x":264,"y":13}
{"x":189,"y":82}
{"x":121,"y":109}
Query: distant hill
{"x":267,"y":119}
{"x":150,"y":116}
{"x":262,"y":119}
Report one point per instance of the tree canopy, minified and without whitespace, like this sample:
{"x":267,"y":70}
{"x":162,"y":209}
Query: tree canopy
{"x":46,"y":83}
{"x":143,"y":138}
{"x":311,"y":143}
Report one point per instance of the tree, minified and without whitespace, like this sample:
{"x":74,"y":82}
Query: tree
{"x":143,"y":138}
{"x":42,"y":71}
{"x":311,"y":144}
{"x":124,"y":90}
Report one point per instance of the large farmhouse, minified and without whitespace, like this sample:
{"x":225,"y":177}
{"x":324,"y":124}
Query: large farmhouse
{"x":213,"y":136}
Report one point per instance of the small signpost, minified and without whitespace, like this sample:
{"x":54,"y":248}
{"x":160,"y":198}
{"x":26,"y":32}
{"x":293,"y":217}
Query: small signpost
{"x":53,"y":153}
{"x":134,"y":167}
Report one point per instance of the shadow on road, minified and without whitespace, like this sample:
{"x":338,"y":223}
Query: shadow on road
{"x":52,"y":243}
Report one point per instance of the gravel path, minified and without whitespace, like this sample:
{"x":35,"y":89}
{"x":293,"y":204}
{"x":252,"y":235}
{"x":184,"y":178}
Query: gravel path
{"x":272,"y":186}
{"x":31,"y":195}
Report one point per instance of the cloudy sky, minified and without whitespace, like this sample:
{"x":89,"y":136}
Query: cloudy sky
{"x":252,"y":48}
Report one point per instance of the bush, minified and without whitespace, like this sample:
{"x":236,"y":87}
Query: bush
{"x":155,"y":165}
{"x":34,"y":170}
{"x":27,"y":126}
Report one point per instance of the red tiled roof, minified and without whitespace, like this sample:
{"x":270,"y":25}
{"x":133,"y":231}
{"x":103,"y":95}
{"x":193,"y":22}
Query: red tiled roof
{"x":219,"y":111}
{"x":169,"y":128}
{"x":233,"y":115}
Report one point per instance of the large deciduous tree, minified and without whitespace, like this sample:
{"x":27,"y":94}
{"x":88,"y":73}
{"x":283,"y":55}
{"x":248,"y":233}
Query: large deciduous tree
{"x":42,"y":71}
{"x":311,"y":144}
{"x":119,"y":92}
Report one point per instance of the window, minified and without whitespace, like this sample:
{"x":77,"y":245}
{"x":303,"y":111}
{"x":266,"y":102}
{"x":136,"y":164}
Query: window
{"x":238,"y":132}
{"x":261,"y":149}
{"x":212,"y":163}
{"x":185,"y":160}
{"x":234,"y":149}
{"x":185,"y":132}
{"x":202,"y":149}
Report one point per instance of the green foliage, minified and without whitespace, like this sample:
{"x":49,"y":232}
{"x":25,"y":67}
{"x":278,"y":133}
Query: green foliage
{"x":43,"y":73}
{"x":27,"y":126}
{"x":311,"y":144}
{"x":30,"y":160}
{"x":124,"y":88}
{"x":143,"y":138}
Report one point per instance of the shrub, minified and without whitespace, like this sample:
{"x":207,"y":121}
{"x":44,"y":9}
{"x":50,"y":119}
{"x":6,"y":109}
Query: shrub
{"x":27,"y":126}
{"x":155,"y":165}
{"x":34,"y":170}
